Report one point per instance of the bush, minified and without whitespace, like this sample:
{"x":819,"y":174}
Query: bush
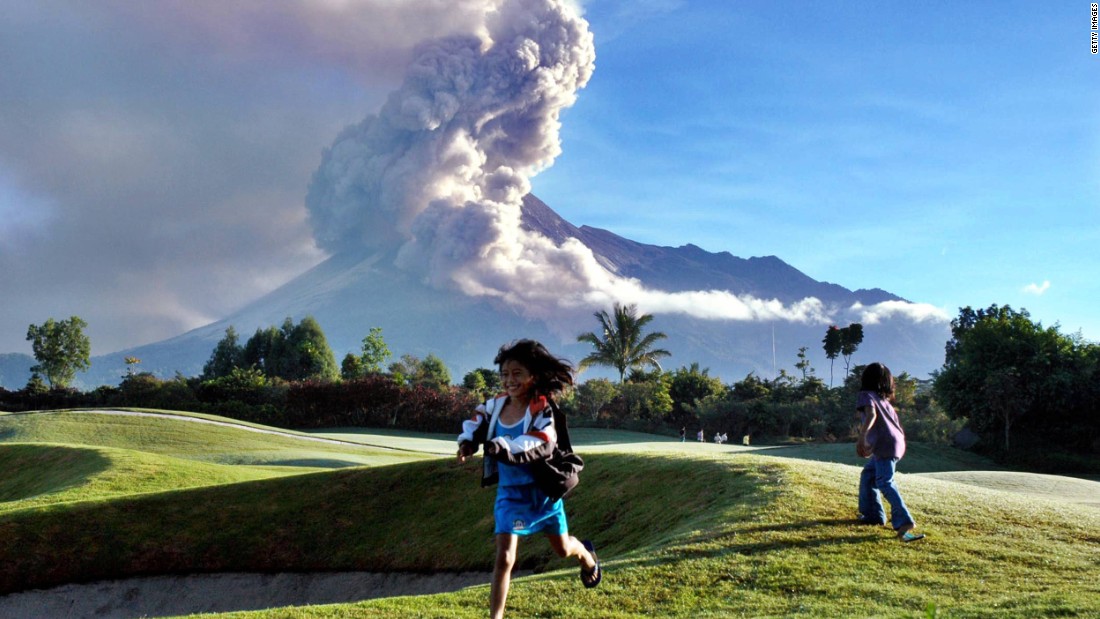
{"x":379,"y":401}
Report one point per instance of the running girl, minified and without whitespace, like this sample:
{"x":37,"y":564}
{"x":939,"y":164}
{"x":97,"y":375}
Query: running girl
{"x":517,"y":428}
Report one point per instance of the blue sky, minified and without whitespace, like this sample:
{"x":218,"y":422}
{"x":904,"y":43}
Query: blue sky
{"x":947,"y":152}
{"x":154,"y":158}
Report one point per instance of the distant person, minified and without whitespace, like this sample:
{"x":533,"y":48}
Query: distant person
{"x":882,"y":440}
{"x":745,"y":440}
{"x":701,"y":436}
{"x":516,"y":429}
{"x":683,"y":434}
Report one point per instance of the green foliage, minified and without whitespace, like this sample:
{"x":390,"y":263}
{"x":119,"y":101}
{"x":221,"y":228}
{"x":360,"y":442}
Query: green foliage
{"x":803,"y":364}
{"x":145,"y":390}
{"x":623,"y":344}
{"x":375,"y":351}
{"x":593,"y":395}
{"x":687,"y":387}
{"x":293,"y":352}
{"x":61,"y":349}
{"x":832,"y":344}
{"x":647,"y":401}
{"x":841,"y":342}
{"x":430,"y":372}
{"x":434,"y":373}
{"x":1002,"y":371}
{"x":752,"y":387}
{"x":376,"y":400}
{"x":483,"y":382}
{"x":850,"y":339}
{"x":36,"y":386}
{"x":228,"y":355}
{"x":308,"y":354}
{"x":351,"y":367}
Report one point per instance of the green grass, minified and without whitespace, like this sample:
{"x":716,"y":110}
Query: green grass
{"x":683,"y":530}
{"x":184,"y":435}
{"x":42,"y":474}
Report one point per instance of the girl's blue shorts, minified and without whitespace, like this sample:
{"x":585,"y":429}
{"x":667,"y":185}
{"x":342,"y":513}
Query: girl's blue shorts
{"x":523,"y":510}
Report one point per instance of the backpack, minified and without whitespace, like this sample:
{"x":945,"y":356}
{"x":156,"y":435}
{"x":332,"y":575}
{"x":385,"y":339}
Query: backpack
{"x":557,"y":475}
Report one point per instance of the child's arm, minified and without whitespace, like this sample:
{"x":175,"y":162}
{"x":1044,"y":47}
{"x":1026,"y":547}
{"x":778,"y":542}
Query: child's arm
{"x":474,"y":431}
{"x":537,"y":444}
{"x":867,"y":417}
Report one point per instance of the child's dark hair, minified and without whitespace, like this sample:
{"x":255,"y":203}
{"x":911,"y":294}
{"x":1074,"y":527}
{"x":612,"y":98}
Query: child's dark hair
{"x":551,"y":373}
{"x":876,"y":377}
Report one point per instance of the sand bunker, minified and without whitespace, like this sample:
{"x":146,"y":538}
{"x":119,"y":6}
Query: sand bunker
{"x":163,"y":596}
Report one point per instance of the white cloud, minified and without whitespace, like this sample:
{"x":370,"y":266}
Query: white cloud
{"x":917,"y":312}
{"x":1037,"y":289}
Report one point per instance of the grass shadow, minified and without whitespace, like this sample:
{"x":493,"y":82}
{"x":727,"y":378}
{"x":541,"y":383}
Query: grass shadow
{"x":35,"y":470}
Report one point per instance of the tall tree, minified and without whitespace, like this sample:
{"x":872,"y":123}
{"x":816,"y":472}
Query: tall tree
{"x":307,"y":353}
{"x":803,"y":364}
{"x":61,"y":349}
{"x":263,"y":351}
{"x":375,"y":351}
{"x":833,"y":341}
{"x":292,"y":352}
{"x":228,"y":355}
{"x":850,"y":339}
{"x":624,"y":344}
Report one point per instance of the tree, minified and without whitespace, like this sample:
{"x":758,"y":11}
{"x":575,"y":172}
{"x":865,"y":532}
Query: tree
{"x":433,"y":373}
{"x":688,"y":386}
{"x":850,"y":339}
{"x":351,"y":367}
{"x":1001,"y":369}
{"x":594,"y":394}
{"x":430,"y":372}
{"x":228,"y":355}
{"x":752,"y":387}
{"x":833,"y":341}
{"x":803,"y":364}
{"x":292,"y":352}
{"x":61,"y":349}
{"x":264,"y":351}
{"x":624,"y":345}
{"x":307,"y":354}
{"x":375,"y":351}
{"x":482,"y":381}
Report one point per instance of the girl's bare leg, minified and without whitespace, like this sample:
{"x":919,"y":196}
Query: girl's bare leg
{"x":569,"y":546}
{"x":502,"y":573}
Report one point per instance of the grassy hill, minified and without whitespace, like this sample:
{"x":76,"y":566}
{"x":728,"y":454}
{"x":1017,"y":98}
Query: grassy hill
{"x":684,"y":530}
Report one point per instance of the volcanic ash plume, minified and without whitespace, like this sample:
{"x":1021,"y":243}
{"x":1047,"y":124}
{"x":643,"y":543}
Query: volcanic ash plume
{"x":436,"y":178}
{"x":439,"y":173}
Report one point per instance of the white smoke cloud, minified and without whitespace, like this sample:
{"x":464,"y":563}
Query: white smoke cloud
{"x":916,"y":312}
{"x":437,"y":176}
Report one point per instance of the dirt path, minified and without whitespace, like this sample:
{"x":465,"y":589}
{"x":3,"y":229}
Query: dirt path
{"x":164,"y":596}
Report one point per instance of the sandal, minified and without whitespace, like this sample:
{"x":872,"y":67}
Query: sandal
{"x":591,"y":578}
{"x":909,"y":536}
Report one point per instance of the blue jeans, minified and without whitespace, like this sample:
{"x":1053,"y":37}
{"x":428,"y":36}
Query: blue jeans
{"x":878,"y":475}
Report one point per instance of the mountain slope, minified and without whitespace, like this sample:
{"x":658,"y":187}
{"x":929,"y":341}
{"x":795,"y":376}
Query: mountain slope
{"x":349,"y":294}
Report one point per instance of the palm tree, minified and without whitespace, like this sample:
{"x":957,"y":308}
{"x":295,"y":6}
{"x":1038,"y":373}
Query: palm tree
{"x":623,"y":345}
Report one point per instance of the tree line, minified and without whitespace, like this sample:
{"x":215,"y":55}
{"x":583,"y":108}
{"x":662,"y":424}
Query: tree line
{"x":1004,"y":376}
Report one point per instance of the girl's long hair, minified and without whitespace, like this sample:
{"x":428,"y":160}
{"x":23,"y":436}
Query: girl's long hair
{"x":552,"y":374}
{"x":877,"y":377}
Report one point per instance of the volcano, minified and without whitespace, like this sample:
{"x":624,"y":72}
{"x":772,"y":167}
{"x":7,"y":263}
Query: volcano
{"x":350,"y":293}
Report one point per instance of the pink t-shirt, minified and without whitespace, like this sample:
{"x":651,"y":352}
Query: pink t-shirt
{"x":886,"y":438}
